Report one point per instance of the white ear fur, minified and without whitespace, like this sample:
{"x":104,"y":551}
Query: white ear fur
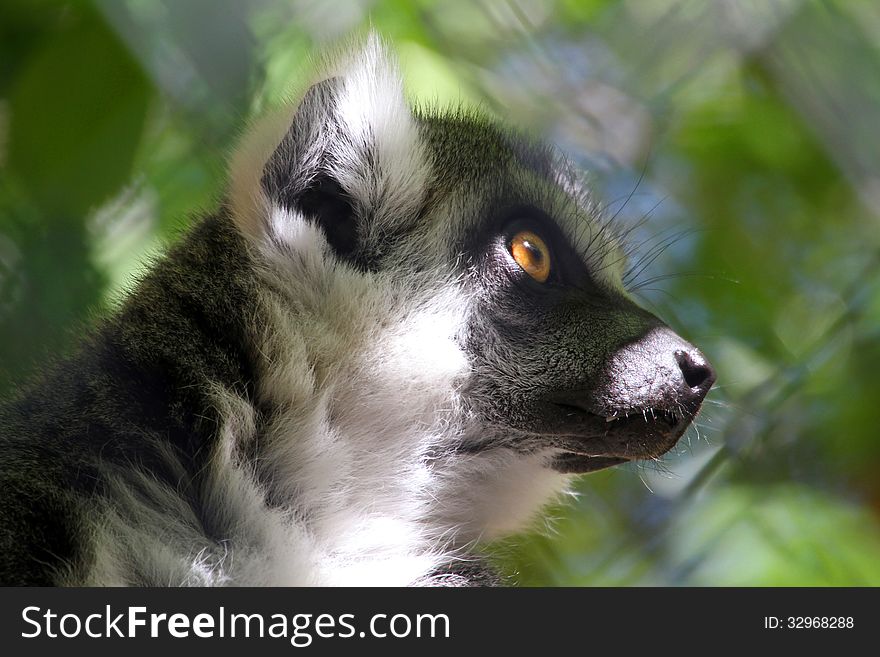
{"x":370,"y":143}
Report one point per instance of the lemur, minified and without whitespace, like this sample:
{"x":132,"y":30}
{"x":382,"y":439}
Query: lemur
{"x":401,"y":335}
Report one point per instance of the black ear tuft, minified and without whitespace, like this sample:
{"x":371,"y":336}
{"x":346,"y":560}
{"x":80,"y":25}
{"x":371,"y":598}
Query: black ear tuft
{"x":325,"y":202}
{"x":296,"y":176}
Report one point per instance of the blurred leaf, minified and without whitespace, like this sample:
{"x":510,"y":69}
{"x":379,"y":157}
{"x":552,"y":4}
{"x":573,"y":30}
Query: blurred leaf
{"x":77,"y":114}
{"x":780,"y":536}
{"x":50,"y":286}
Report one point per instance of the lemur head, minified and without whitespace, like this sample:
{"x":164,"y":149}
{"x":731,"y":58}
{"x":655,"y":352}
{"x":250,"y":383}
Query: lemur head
{"x":474,"y":261}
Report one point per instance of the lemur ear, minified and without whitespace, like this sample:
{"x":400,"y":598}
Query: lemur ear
{"x":349,"y":157}
{"x":297,"y":176}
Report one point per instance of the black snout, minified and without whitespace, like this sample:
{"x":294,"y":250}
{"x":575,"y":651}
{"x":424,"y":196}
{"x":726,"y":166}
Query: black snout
{"x":698,"y":374}
{"x":658,"y":371}
{"x":646,"y":395}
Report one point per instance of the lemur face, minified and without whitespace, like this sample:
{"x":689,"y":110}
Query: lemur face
{"x":561,"y":357}
{"x":563,"y":360}
{"x":557,"y":359}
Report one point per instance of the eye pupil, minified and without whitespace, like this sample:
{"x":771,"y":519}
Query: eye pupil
{"x":531,"y":253}
{"x":534,"y":251}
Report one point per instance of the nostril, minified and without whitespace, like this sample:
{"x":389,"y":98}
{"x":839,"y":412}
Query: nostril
{"x":696,"y":371}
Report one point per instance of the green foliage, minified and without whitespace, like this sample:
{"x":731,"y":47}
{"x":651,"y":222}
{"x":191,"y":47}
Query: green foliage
{"x":745,"y":133}
{"x":77,"y":110}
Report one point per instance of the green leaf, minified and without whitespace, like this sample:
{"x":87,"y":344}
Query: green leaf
{"x":77,"y":114}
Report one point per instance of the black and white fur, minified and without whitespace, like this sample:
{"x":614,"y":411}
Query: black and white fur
{"x":342,"y":377}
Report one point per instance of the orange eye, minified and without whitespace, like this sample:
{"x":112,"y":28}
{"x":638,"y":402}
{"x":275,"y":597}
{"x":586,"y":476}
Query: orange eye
{"x":532,"y":254}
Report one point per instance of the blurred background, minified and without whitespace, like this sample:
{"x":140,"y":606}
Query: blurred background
{"x":740,"y":138}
